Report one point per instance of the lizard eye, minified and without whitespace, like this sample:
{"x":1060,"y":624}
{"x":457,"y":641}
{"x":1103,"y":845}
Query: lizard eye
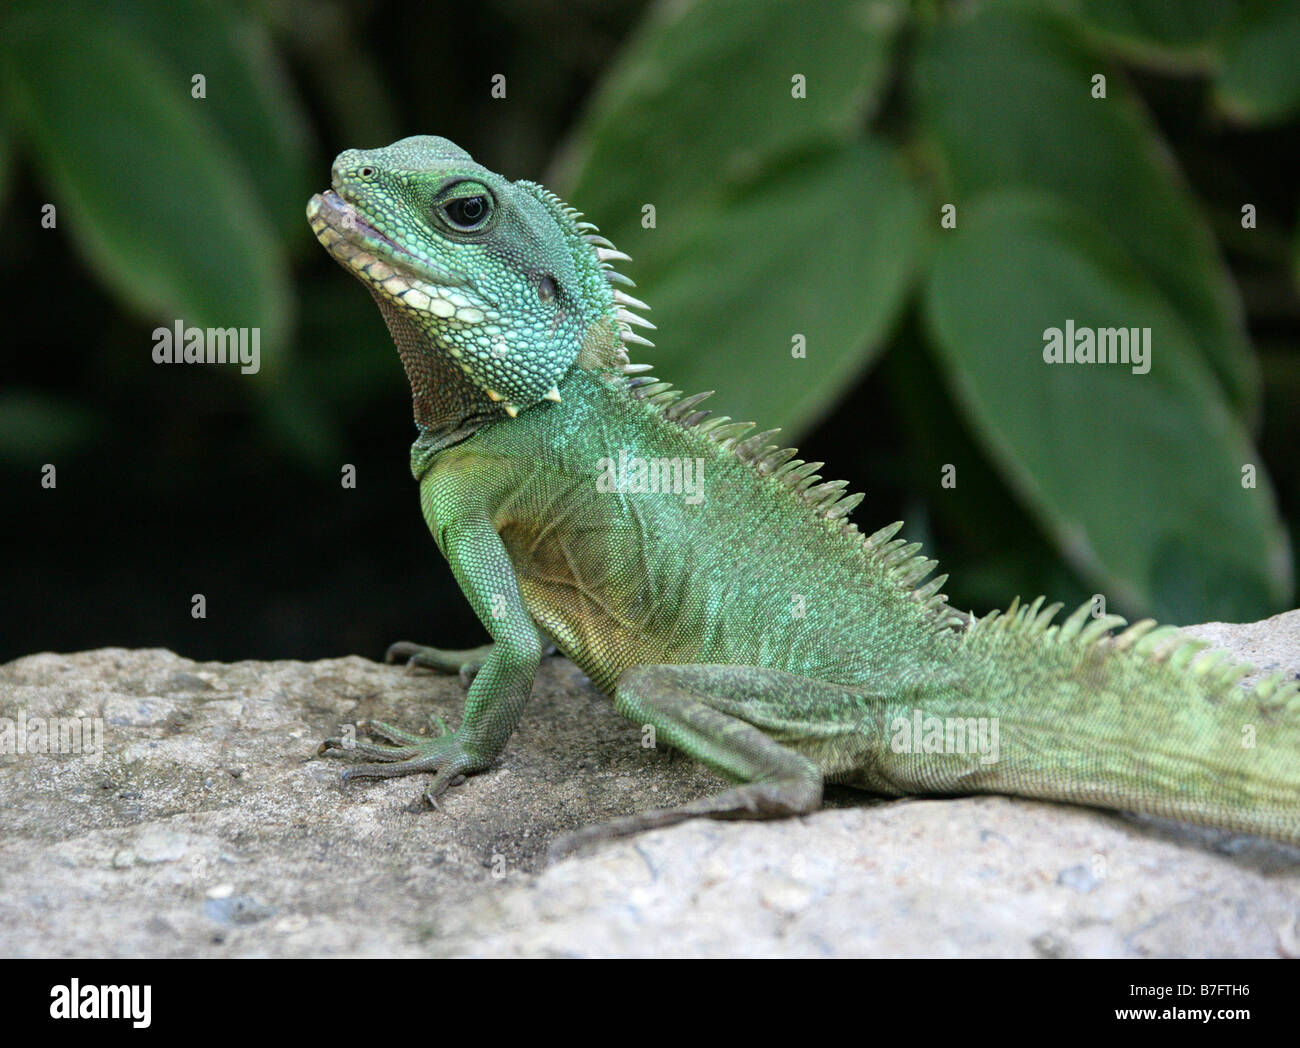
{"x":467,"y":212}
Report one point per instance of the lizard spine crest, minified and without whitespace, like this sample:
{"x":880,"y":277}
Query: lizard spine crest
{"x":1217,"y":672}
{"x":825,"y":500}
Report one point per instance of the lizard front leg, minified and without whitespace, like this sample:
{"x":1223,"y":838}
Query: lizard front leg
{"x":725,"y":717}
{"x":501,"y":687}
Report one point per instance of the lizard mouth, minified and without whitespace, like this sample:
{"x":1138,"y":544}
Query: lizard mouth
{"x":342,"y":229}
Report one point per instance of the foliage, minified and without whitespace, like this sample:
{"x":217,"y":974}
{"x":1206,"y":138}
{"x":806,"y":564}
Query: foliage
{"x":775,"y":217}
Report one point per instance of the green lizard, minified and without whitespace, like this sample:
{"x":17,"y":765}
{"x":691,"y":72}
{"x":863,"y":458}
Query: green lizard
{"x":740,"y":613}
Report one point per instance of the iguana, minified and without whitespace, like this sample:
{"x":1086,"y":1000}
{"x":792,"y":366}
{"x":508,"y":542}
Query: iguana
{"x":739,"y":612}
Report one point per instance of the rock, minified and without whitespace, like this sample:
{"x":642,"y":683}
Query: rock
{"x":206,"y":827}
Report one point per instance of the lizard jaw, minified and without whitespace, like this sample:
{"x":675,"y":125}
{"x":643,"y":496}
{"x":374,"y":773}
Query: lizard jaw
{"x":353,"y":241}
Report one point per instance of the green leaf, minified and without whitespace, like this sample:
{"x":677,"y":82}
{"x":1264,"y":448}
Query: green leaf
{"x":250,"y":101}
{"x":35,"y":428}
{"x":1137,"y":477}
{"x":1259,"y":80}
{"x":1169,"y":34}
{"x":702,"y":98}
{"x":1005,"y":100}
{"x":1295,"y":258}
{"x":144,"y":185}
{"x":6,"y":160}
{"x":301,"y":428}
{"x":752,"y":242}
{"x":786,"y":257}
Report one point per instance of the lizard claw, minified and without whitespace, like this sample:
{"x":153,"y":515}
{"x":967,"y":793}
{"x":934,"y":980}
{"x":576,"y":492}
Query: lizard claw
{"x":441,"y":784}
{"x":465,"y":663}
{"x":401,"y":651}
{"x":444,"y":755}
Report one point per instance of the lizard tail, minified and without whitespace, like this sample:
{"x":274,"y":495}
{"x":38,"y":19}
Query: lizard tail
{"x":1143,"y":721}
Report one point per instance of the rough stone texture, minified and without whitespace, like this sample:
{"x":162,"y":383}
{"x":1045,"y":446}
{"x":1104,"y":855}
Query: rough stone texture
{"x":206,"y":829}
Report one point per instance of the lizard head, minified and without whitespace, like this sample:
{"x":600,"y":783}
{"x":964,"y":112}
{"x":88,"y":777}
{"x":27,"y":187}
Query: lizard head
{"x":492,"y":289}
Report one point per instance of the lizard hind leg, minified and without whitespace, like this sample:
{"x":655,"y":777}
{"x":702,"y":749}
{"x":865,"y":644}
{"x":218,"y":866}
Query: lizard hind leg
{"x":466,"y":662}
{"x":712,"y":713}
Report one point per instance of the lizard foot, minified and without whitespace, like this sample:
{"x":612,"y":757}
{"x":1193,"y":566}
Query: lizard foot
{"x":465,"y":663}
{"x":444,"y":755}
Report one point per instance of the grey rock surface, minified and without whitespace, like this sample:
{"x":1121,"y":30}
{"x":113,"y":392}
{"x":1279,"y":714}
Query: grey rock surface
{"x":207,"y":828}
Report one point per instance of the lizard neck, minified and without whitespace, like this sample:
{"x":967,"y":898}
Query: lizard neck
{"x":448,"y":407}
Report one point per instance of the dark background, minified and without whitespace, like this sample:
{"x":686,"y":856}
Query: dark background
{"x":184,"y":480}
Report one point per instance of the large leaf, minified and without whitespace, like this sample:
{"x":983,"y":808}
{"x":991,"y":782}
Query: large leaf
{"x":701,"y":99}
{"x":1173,"y":34}
{"x":1006,"y":101}
{"x":1259,"y":80}
{"x":6,"y":162}
{"x":1138,"y":477}
{"x":787,"y":257}
{"x":36,"y":428}
{"x":250,"y":102}
{"x":144,"y":184}
{"x":769,"y":221}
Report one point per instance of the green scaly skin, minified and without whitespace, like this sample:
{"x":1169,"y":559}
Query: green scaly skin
{"x":755,"y":628}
